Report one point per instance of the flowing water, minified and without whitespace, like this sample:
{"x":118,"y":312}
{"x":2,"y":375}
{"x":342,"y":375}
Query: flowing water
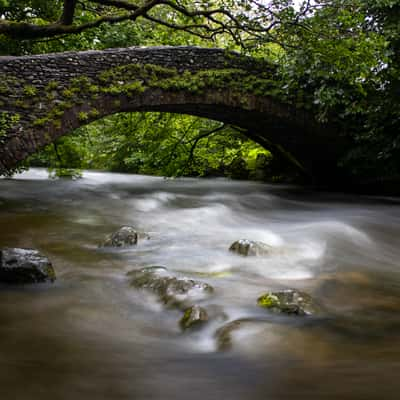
{"x":90,"y":335}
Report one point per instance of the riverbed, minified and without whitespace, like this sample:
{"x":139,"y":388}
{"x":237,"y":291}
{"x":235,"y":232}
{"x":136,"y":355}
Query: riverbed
{"x":90,"y":335}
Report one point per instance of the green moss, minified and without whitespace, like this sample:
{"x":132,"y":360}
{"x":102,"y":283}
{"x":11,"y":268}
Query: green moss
{"x":268,"y":301}
{"x":22,"y":104}
{"x":56,"y":112}
{"x":52,"y":85}
{"x":4,"y":89}
{"x":83,"y":116}
{"x":7,"y":121}
{"x":51,"y":96}
{"x":8,"y":84}
{"x":68,"y":93}
{"x":40,"y":122}
{"x":57,"y":123}
{"x":135,"y":87}
{"x":93,"y":113}
{"x":51,"y":273}
{"x":219,"y":274}
{"x":193,"y":317}
{"x":29,"y":91}
{"x":64,"y":105}
{"x":121,"y":80}
{"x":81,"y":81}
{"x":112,"y":89}
{"x":93,"y":89}
{"x":186,"y":316}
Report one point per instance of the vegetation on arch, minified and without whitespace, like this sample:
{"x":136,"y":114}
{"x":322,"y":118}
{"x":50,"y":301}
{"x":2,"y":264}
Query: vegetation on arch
{"x":129,"y":81}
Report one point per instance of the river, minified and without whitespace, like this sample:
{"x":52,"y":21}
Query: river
{"x":90,"y":335}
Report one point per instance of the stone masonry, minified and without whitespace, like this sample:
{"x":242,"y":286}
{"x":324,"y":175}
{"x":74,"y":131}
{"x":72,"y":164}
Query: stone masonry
{"x":43,"y":97}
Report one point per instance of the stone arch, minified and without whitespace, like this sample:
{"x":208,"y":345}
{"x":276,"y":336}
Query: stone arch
{"x":44,"y":97}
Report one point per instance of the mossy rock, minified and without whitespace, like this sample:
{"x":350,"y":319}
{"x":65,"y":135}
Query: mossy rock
{"x":124,"y":236}
{"x":194,"y":317}
{"x":247,"y":247}
{"x":290,"y":301}
{"x":19,"y":266}
{"x":172,"y":291}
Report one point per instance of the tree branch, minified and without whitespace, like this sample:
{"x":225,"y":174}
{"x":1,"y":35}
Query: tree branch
{"x":240,"y":22}
{"x":25,"y":30}
{"x":197,"y":139}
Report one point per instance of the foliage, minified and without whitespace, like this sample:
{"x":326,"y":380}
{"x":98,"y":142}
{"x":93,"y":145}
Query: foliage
{"x":242,"y":21}
{"x":343,"y":63}
{"x":153,"y":143}
{"x":65,"y":173}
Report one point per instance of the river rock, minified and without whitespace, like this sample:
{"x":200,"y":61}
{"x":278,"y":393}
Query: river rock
{"x":247,"y":247}
{"x":223,"y":335}
{"x":172,"y":291}
{"x":25,"y":266}
{"x":289,"y":301}
{"x":124,"y":236}
{"x":194,"y":317}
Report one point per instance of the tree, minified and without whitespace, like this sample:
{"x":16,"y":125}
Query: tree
{"x":242,"y":20}
{"x":153,"y":143}
{"x":343,"y":63}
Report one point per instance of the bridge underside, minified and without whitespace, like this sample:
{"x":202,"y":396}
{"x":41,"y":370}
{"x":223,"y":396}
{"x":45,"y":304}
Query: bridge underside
{"x":59,"y":93}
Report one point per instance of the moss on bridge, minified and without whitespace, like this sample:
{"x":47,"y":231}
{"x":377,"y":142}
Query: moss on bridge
{"x":49,"y":103}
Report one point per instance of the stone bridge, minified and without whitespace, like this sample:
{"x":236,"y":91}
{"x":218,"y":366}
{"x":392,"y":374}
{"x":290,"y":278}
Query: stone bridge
{"x":43,"y":97}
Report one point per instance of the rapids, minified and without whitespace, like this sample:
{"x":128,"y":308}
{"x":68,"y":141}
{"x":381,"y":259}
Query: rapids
{"x":92,"y":336}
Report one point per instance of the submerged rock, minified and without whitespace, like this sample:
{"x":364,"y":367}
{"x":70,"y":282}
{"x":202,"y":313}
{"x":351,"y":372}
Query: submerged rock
{"x":124,"y":236}
{"x":172,"y":291}
{"x":247,"y":247}
{"x":290,"y":301}
{"x":25,"y":266}
{"x":194,"y":317}
{"x":224,"y":334}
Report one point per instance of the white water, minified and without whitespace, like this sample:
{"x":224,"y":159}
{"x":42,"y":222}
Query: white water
{"x":91,"y":336}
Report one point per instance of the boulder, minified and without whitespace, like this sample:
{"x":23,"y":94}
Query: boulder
{"x":247,"y":247}
{"x":289,"y":301}
{"x":124,"y":236}
{"x":172,"y":291}
{"x":25,"y":266}
{"x":194,"y":317}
